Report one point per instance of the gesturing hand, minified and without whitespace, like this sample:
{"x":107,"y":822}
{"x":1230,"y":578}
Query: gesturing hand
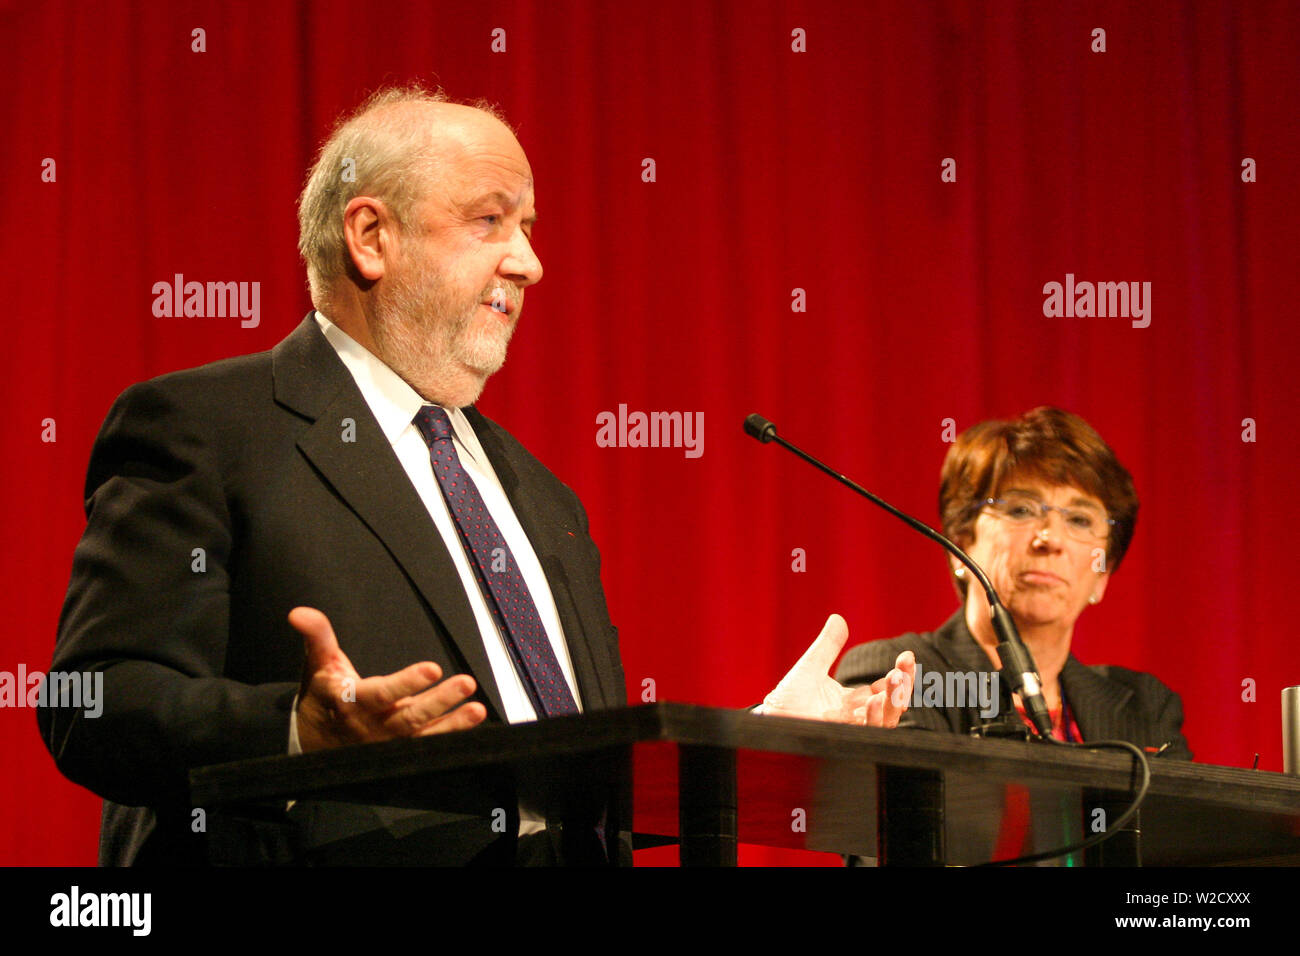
{"x":809,"y":690}
{"x":336,"y":706}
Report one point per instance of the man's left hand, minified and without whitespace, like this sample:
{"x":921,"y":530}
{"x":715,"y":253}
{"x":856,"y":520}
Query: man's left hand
{"x":809,"y":691}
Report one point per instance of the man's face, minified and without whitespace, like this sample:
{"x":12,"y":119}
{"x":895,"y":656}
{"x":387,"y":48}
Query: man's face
{"x":452,"y":294}
{"x":1043,"y":574}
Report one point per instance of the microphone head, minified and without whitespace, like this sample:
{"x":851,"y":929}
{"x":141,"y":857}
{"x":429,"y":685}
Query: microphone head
{"x":756,"y":426}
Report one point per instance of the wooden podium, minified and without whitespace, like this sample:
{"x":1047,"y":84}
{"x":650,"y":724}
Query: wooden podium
{"x":710,"y":778}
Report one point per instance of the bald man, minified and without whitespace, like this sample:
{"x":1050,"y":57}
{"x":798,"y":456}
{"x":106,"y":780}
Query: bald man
{"x":326,"y":544}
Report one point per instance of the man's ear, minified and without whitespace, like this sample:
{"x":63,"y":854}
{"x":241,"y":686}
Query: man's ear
{"x":369,"y":235}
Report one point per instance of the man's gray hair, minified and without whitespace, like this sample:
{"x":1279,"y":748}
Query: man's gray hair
{"x":366,"y":155}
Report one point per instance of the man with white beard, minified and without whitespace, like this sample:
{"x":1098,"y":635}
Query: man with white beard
{"x":380,"y":560}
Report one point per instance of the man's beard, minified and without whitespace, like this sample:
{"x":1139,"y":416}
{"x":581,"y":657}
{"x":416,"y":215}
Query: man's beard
{"x":439,"y":343}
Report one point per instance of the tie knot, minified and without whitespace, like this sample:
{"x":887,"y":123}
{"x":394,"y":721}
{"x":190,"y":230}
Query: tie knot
{"x":433,"y":424}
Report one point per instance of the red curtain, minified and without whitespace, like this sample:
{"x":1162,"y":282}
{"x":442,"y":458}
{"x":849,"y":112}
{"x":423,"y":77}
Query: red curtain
{"x":775,"y":170}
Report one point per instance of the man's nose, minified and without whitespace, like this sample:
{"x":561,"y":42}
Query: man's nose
{"x":521,"y":265}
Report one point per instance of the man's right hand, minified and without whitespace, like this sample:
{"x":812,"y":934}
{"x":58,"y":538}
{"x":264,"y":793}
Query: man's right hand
{"x":336,"y":707}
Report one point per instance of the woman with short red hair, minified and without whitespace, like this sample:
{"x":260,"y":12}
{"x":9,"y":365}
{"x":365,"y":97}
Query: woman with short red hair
{"x":1042,"y":504}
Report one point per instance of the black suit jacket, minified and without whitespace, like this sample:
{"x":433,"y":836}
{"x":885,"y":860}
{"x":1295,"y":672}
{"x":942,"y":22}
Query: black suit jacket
{"x":219,"y":498}
{"x":1108,"y":703}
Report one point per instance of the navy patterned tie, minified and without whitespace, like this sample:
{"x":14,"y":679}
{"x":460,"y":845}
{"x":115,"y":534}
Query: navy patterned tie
{"x":497,"y":572}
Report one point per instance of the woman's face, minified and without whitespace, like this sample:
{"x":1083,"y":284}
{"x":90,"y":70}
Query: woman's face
{"x":1043,"y":574}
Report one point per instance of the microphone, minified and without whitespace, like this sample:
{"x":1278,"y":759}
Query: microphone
{"x":1018,"y":667}
{"x":756,"y":426}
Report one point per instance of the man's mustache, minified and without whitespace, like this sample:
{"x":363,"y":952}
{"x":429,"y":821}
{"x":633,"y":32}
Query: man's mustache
{"x":504,"y":297}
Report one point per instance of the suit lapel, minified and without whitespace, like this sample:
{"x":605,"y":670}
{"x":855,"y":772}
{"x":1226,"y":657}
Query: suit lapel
{"x":312,"y":380}
{"x":960,"y":650}
{"x":553,"y":543}
{"x":1098,"y":704}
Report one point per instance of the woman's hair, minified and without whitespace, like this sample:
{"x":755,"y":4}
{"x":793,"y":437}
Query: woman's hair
{"x":1046,"y":444}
